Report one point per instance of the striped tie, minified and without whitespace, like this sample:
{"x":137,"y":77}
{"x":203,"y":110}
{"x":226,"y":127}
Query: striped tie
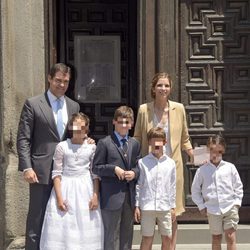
{"x":124,"y":147}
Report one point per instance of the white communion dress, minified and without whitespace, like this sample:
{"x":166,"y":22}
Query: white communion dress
{"x":79,"y":227}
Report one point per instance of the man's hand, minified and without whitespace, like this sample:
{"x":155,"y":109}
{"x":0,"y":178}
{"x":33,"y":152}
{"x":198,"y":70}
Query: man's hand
{"x":137,"y":214}
{"x":120,"y":173}
{"x":30,"y":176}
{"x":129,"y":175}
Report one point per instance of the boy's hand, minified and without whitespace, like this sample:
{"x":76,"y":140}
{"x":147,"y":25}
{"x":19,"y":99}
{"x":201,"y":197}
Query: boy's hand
{"x":129,"y":175}
{"x":93,"y":203}
{"x":120,"y":173}
{"x":173,"y":215}
{"x":137,"y":214}
{"x":90,"y":140}
{"x":203,"y":211}
{"x":62,"y":205}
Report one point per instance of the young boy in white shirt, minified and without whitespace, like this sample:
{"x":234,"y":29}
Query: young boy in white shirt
{"x":156,"y":192}
{"x":217,"y":190}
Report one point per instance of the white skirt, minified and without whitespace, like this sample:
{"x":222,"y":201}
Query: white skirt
{"x":79,"y":227}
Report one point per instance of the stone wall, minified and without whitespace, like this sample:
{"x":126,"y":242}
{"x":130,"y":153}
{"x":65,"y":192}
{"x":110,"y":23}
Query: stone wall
{"x":22,"y":74}
{"x":1,"y":142}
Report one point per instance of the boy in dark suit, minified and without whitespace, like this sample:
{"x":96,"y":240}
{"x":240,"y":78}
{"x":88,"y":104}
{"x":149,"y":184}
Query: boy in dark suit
{"x":115,"y":162}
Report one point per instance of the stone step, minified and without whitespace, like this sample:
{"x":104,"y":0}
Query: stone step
{"x":195,"y":234}
{"x":190,"y":237}
{"x":195,"y":247}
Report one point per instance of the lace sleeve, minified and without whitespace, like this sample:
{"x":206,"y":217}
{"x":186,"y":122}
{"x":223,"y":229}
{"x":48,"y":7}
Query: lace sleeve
{"x":58,"y":161}
{"x":94,"y":176}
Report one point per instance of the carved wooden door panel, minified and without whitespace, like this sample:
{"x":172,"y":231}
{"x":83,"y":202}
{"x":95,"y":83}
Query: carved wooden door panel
{"x":101,"y":18}
{"x":215,"y":80}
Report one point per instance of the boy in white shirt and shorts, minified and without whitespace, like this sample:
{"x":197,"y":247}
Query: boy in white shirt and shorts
{"x":156,"y":192}
{"x":217,"y":190}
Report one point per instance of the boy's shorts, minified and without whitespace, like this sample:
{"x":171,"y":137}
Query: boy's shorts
{"x":149,"y":219}
{"x":220,"y":223}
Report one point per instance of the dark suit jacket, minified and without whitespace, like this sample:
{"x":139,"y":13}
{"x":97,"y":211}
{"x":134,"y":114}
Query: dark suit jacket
{"x":37,"y":135}
{"x":108,"y":155}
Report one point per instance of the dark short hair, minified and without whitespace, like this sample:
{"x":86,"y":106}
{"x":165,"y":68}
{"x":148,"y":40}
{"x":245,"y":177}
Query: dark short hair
{"x":59,"y":67}
{"x":216,"y":139}
{"x":124,"y":112}
{"x":156,"y":78}
{"x":76,"y":116}
{"x":156,"y":132}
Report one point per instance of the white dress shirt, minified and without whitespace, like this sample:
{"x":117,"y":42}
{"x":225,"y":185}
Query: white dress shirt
{"x":217,"y":188}
{"x":156,"y":186}
{"x":53,"y":103}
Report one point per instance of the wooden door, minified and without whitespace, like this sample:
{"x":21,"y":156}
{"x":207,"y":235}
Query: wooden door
{"x":214,"y":83}
{"x":101,"y":18}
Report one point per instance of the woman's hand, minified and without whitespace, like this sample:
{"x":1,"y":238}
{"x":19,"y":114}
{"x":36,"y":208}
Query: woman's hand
{"x":173,"y":215}
{"x":190,"y":153}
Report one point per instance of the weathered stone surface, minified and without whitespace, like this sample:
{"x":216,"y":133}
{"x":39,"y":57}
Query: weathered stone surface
{"x":16,"y":200}
{"x":17,"y":244}
{"x":22,"y":75}
{"x":2,"y":221}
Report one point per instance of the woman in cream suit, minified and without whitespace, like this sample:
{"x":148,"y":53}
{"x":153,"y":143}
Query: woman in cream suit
{"x":172,"y":118}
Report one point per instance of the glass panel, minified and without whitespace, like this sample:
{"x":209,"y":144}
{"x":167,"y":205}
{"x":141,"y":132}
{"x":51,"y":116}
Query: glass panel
{"x":97,"y":61}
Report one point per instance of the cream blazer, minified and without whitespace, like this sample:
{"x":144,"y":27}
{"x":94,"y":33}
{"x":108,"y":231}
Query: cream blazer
{"x":179,"y":140}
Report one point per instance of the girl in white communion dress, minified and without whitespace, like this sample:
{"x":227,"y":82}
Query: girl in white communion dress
{"x":73,"y":220}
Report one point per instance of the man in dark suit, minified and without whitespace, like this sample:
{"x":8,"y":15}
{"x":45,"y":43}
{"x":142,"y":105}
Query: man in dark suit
{"x":42,"y":126}
{"x":115,"y":162}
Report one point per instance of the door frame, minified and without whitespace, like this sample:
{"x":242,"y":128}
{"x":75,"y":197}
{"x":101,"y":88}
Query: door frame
{"x":50,"y":21}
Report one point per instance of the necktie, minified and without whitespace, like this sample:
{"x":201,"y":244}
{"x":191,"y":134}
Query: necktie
{"x":59,"y":118}
{"x":124,"y":147}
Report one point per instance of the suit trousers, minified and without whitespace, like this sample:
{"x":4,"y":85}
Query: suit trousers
{"x":39,"y":196}
{"x":118,"y":226}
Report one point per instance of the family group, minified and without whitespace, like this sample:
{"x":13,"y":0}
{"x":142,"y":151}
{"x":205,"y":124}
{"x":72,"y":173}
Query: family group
{"x":87,"y":196}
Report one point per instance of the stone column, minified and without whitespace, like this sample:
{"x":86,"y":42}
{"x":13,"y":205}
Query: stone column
{"x":22,"y":75}
{"x":146,"y":48}
{"x":158,"y":31}
{"x":2,"y":167}
{"x":167,"y":47}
